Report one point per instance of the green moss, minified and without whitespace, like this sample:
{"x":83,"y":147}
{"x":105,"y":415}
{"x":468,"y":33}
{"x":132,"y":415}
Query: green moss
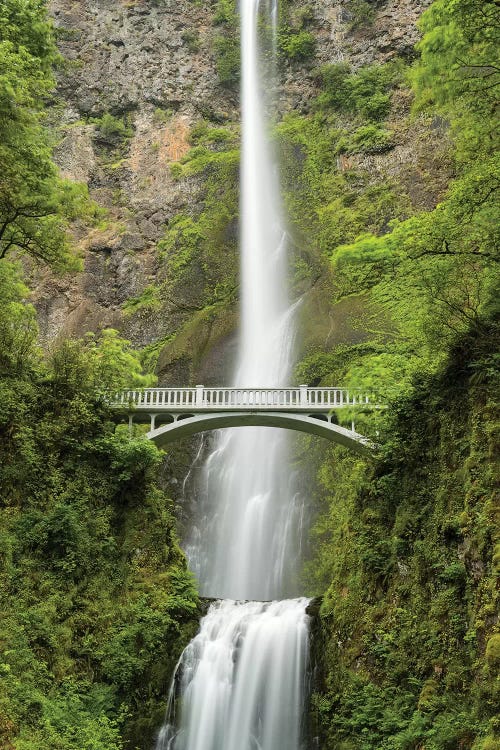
{"x":493,"y":652}
{"x":149,"y":299}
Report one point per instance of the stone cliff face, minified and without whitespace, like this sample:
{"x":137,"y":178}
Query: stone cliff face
{"x":138,"y":75}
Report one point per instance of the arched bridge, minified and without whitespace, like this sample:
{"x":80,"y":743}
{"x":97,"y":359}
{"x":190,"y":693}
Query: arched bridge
{"x":173,"y":413}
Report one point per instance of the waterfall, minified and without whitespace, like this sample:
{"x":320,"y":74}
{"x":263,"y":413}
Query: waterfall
{"x":242,"y":677}
{"x":249,"y":511}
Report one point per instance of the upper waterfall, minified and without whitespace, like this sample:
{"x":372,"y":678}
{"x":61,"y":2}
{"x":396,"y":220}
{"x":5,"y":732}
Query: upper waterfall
{"x":247,"y":537}
{"x":266,"y":336}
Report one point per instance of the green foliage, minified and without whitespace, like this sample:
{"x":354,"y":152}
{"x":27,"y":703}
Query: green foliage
{"x":297,"y":45}
{"x":432,"y":276}
{"x":404,"y":548}
{"x":227,"y":53}
{"x":368,"y":139}
{"x":408,"y":653}
{"x":18,"y":328}
{"x":227,"y":43}
{"x":458,"y":73}
{"x":192,"y":40}
{"x":111,"y":127}
{"x":149,"y":300}
{"x":365,"y":93}
{"x":103,"y":364}
{"x":35,"y":204}
{"x":225,"y":13}
{"x":203,"y":134}
{"x":95,"y":599}
{"x":362,"y":13}
{"x":201,"y":247}
{"x":346,"y":202}
{"x":493,"y":653}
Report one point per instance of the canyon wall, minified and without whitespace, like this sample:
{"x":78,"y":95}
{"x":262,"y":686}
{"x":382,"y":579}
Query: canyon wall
{"x":137,"y":78}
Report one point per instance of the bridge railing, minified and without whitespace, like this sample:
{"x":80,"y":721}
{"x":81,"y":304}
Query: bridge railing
{"x":216,"y":399}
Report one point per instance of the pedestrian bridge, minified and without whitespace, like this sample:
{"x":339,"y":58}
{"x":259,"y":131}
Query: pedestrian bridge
{"x":174,"y":413}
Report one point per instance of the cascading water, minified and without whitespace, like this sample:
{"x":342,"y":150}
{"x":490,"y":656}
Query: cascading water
{"x":242,"y":677}
{"x":249,"y":512}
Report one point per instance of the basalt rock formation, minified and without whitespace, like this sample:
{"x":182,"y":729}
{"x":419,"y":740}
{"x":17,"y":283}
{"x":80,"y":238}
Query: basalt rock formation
{"x":137,"y":77}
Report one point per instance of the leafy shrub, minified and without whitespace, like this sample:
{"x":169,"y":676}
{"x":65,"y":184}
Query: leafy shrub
{"x":368,"y":139}
{"x":297,"y":45}
{"x":493,"y":652}
{"x":365,"y":93}
{"x":192,"y":40}
{"x":227,"y":53}
{"x":113,"y":128}
{"x":362,"y":13}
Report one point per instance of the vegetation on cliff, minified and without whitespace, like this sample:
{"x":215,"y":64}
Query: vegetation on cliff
{"x":35,"y":203}
{"x":407,"y":547}
{"x":407,"y":564}
{"x":96,"y":602}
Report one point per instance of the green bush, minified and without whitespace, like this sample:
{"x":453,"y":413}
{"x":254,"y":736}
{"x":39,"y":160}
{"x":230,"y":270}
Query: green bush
{"x":227,"y":54}
{"x":365,"y":93}
{"x":111,"y":127}
{"x":362,"y":13}
{"x":368,"y":139}
{"x":297,"y":45}
{"x":493,"y":652}
{"x":192,"y":40}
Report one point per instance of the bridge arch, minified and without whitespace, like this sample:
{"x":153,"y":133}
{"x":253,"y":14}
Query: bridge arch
{"x":193,"y":424}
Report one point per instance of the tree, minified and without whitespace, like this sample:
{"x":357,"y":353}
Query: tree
{"x":35,"y":203}
{"x":18,"y":327}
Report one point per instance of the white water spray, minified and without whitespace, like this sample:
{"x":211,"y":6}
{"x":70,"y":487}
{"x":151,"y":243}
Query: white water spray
{"x":242,"y":677}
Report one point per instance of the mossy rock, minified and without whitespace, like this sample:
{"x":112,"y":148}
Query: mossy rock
{"x":493,"y":652}
{"x":489,"y":743}
{"x":202,"y":343}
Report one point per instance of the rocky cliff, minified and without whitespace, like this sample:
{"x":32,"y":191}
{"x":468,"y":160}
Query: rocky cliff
{"x":137,"y":77}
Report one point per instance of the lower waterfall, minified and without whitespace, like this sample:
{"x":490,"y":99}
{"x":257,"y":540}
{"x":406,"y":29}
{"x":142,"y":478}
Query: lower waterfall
{"x":242,"y":679}
{"x":240,"y":684}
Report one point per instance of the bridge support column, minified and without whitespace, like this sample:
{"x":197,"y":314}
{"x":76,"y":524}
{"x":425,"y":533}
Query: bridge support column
{"x":130,"y":423}
{"x":199,"y":395}
{"x":303,"y":395}
{"x":153,"y":421}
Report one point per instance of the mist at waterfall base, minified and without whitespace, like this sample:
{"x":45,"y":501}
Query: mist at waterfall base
{"x":241,"y":681}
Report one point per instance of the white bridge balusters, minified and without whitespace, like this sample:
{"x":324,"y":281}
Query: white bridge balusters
{"x":201,"y":399}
